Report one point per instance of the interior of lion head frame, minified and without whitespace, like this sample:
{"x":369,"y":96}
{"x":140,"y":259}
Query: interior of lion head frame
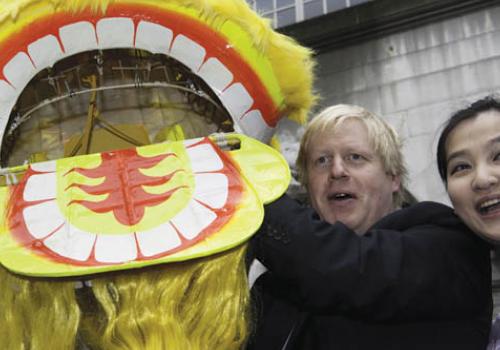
{"x":86,"y":84}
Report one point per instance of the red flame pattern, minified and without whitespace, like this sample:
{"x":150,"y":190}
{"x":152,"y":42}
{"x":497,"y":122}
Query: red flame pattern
{"x":124,"y":185}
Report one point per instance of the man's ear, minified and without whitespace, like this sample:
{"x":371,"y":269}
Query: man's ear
{"x":396,"y":183}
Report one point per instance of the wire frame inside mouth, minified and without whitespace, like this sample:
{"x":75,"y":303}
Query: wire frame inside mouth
{"x":105,"y":100}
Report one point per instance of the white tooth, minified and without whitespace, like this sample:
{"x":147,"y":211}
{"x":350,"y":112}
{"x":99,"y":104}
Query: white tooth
{"x":44,"y":167}
{"x":19,"y":70}
{"x":8,"y":97}
{"x":188,"y":52}
{"x":115,"y":32}
{"x":193,"y":219}
{"x":78,"y":37}
{"x":237,"y":100}
{"x":40,"y":187}
{"x":254,"y":125}
{"x":115,"y":248}
{"x":153,"y":37}
{"x":43,"y":219}
{"x":216,"y":75}
{"x":7,"y":93}
{"x":189,"y":143}
{"x":489,"y":202}
{"x":45,"y":51}
{"x":204,"y":158}
{"x":158,"y":240}
{"x":71,"y":243}
{"x":211,"y":189}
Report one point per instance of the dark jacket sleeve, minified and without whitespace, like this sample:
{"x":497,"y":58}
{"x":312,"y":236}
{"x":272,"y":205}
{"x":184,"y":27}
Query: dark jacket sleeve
{"x":419,"y":262}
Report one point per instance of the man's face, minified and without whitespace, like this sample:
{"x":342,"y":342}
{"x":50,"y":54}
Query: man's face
{"x":347,"y":181}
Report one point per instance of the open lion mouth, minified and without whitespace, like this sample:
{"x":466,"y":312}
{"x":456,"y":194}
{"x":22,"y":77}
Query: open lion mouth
{"x":86,"y":101}
{"x":148,"y":70}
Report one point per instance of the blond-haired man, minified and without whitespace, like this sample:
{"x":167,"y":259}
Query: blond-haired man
{"x":355,"y":271}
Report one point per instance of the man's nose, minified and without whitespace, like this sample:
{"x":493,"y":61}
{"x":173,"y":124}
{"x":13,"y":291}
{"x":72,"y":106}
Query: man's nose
{"x":484,"y":178}
{"x":338,"y":169}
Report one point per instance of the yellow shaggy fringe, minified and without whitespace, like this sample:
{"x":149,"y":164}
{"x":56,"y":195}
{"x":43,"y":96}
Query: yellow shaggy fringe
{"x":292,"y":63}
{"x":193,"y":305}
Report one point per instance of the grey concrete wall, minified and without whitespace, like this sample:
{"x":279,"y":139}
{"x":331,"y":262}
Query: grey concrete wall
{"x":416,"y":79}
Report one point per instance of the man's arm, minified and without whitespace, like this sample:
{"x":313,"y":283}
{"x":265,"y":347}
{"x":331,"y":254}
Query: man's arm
{"x":419,"y":262}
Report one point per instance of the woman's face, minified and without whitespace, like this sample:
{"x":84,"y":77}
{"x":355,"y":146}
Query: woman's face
{"x":473,"y":173}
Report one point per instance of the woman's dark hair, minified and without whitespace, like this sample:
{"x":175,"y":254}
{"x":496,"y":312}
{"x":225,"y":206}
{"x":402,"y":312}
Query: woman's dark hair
{"x":485,"y":104}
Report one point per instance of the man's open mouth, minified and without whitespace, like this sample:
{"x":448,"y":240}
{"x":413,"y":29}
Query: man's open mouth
{"x":341,"y":196}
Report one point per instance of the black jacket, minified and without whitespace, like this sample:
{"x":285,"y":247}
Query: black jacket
{"x":418,"y":279}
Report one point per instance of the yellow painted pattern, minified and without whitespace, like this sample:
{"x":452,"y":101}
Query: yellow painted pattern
{"x":87,"y":220}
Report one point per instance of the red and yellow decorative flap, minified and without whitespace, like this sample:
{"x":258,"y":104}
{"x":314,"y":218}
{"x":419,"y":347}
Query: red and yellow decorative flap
{"x":137,"y":207}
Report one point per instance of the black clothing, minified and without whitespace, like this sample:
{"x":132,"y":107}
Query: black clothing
{"x":418,"y":279}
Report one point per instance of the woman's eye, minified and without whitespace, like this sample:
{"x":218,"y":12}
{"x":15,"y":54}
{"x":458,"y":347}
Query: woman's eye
{"x":496,"y":156}
{"x":458,"y":168}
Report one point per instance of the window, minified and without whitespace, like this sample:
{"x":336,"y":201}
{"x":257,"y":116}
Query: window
{"x":313,"y":8}
{"x":285,"y":12}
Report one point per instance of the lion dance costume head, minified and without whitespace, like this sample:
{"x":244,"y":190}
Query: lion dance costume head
{"x":123,"y":222}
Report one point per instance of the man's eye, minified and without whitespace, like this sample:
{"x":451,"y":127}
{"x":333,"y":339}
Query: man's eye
{"x":496,"y":157}
{"x":323,"y":161}
{"x":355,"y":157}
